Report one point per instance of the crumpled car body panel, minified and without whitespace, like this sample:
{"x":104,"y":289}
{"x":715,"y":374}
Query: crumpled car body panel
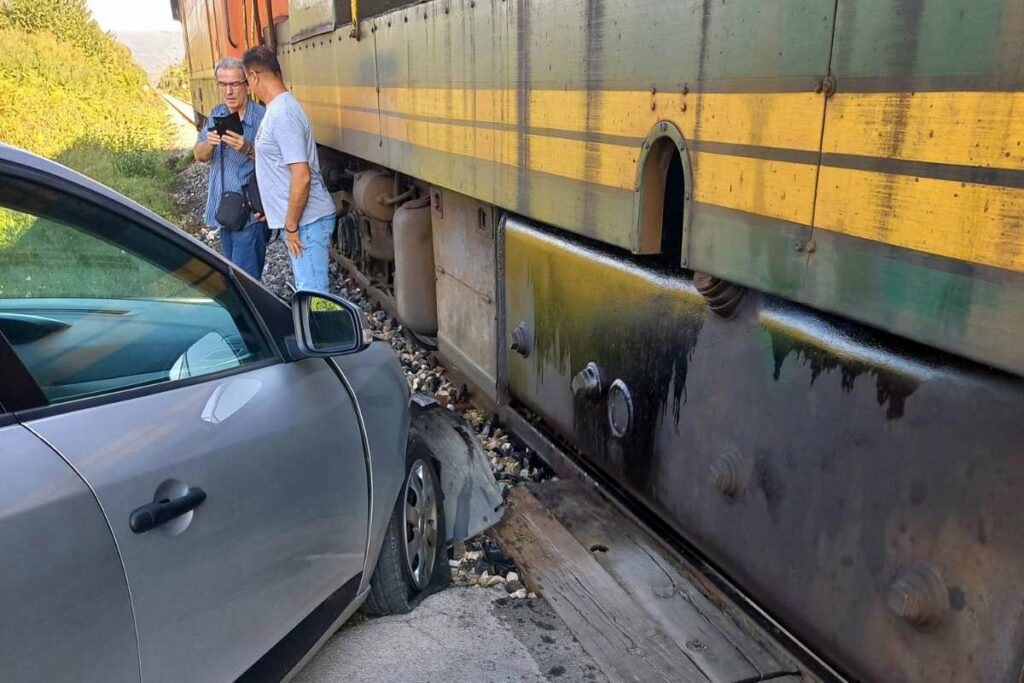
{"x":472,"y":499}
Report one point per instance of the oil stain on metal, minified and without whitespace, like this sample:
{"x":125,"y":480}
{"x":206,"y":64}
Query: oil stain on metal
{"x":638,"y":325}
{"x":892,"y":386}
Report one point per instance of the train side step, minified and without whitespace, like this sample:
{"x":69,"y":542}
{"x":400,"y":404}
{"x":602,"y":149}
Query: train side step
{"x":638,"y":611}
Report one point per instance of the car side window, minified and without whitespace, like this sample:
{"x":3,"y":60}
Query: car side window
{"x":92,"y":303}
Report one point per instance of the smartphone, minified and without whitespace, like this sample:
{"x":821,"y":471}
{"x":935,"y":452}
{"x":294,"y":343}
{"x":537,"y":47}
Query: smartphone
{"x":231,"y":122}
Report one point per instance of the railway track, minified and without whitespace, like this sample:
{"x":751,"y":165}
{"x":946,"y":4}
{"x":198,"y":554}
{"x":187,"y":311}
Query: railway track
{"x":181,"y":108}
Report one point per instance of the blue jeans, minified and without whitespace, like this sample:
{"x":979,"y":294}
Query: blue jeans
{"x":246,"y":248}
{"x":310,"y":269}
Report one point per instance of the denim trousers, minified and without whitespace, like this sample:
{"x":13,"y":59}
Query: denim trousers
{"x":310,"y":267}
{"x":246,"y":248}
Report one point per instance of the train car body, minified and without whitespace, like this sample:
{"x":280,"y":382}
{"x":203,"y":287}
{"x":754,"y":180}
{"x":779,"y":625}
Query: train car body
{"x":759,"y":263}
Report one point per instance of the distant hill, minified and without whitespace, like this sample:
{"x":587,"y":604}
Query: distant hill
{"x":154,"y":50}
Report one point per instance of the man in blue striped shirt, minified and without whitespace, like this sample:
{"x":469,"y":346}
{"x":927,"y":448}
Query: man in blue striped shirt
{"x":235,"y":154}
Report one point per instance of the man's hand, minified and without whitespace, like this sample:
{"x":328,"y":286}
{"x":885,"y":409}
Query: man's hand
{"x":295,"y":246}
{"x":235,"y":142}
{"x":213,"y":138}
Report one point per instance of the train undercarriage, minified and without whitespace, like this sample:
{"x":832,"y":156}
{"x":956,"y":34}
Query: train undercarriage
{"x":858,"y":485}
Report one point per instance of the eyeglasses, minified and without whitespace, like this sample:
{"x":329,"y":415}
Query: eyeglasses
{"x":233,"y":85}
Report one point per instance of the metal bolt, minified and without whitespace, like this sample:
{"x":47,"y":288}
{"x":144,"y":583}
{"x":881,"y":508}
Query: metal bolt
{"x":818,"y":86}
{"x":828,"y":86}
{"x":620,"y":408}
{"x":654,"y":91}
{"x":686,"y":89}
{"x":587,"y":382}
{"x":653,"y":105}
{"x":918,"y":595}
{"x":520,"y":340}
{"x":728,"y":473}
{"x":682,"y":107}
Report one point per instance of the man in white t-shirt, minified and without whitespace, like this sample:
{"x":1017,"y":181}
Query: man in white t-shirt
{"x":292,"y":189}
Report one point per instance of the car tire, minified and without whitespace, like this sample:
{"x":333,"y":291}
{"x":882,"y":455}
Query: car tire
{"x":403,"y":578}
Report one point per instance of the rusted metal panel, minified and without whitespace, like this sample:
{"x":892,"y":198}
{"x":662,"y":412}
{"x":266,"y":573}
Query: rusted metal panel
{"x":308,"y":18}
{"x":440,"y":63}
{"x":862,"y":488}
{"x":463,"y":233}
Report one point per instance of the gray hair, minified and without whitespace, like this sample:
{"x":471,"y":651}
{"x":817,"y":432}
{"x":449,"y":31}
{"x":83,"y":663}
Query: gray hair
{"x":228,"y":63}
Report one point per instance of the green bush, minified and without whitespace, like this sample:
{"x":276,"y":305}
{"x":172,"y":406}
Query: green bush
{"x":70,"y":92}
{"x":174,"y":81}
{"x":140,"y":162}
{"x":53,"y":96}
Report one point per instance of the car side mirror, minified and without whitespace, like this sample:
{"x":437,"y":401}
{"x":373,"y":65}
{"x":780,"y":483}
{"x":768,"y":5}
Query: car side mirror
{"x":327,"y":325}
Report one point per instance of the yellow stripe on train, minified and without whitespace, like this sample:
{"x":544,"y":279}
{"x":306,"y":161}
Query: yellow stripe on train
{"x":965,"y":128}
{"x":967,"y":221}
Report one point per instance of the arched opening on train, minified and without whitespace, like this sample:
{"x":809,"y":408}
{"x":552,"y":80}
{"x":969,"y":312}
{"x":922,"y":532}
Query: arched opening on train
{"x":663,"y":189}
{"x":672,"y":213}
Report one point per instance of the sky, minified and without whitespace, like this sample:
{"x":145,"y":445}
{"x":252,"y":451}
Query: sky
{"x":133,"y":15}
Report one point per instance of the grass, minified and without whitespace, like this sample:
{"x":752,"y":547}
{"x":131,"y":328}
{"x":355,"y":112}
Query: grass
{"x":145,"y":175}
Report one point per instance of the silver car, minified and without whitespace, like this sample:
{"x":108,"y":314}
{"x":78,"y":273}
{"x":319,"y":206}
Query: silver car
{"x":199,"y":481}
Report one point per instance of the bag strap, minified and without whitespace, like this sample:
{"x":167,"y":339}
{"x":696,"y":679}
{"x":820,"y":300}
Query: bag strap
{"x":223,"y":185}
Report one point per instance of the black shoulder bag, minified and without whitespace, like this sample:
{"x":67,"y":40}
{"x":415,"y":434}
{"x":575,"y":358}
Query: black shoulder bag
{"x":251,"y":190}
{"x":233,"y":210}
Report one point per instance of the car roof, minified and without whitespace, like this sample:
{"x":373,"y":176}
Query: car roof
{"x":19,"y":157}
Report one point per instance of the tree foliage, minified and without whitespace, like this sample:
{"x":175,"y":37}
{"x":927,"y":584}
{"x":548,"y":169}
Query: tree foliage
{"x":174,"y":81}
{"x":63,"y":81}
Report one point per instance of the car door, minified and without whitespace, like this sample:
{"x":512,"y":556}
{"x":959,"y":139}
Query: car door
{"x":66,"y":611}
{"x":161,"y":384}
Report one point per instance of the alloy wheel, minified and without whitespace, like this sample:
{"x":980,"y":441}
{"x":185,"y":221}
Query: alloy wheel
{"x":420,"y":523}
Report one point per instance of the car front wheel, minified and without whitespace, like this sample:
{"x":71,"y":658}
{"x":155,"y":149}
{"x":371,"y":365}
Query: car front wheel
{"x":412,"y":560}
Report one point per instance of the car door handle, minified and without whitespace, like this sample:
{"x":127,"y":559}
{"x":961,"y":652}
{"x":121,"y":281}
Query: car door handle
{"x":152,"y":515}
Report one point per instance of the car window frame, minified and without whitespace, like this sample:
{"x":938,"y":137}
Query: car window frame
{"x":24,"y":395}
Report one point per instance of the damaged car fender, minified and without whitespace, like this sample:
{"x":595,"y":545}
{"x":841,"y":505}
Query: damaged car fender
{"x":472,"y":498}
{"x":393,"y":423}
